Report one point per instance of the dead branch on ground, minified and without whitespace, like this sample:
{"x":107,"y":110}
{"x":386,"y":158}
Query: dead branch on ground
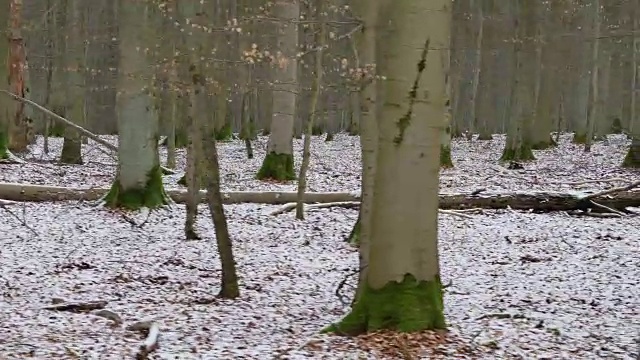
{"x":78,"y":307}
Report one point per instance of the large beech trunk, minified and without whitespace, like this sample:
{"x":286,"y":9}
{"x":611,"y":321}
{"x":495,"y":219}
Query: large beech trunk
{"x":139,"y":179}
{"x":402,"y":288}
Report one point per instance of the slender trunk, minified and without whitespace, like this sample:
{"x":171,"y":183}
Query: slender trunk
{"x":593,"y":86}
{"x":632,"y":160}
{"x":317,"y":88}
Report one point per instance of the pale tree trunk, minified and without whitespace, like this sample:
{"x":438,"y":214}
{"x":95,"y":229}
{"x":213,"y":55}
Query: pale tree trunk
{"x":139,"y":179}
{"x":476,"y":75}
{"x":403,"y":255}
{"x":632,"y":160}
{"x":488,"y":90}
{"x":278,"y":163}
{"x":74,"y":80}
{"x":317,"y":88}
{"x":518,"y":145}
{"x":548,"y":90}
{"x":593,"y":86}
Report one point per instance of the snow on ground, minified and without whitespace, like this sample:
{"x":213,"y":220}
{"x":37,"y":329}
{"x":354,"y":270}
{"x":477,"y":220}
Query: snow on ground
{"x":523,"y":286}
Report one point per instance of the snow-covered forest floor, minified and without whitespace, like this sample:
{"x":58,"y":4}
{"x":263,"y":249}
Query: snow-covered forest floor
{"x":522,"y":285}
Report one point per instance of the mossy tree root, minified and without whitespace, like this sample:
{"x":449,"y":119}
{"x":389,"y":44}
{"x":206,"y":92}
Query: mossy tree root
{"x":445,"y":157}
{"x":408,"y":306}
{"x":522,"y":153}
{"x":152,"y":196}
{"x":277,"y":167}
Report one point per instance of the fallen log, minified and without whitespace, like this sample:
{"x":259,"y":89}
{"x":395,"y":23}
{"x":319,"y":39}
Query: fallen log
{"x":536,"y":201}
{"x":46,"y":193}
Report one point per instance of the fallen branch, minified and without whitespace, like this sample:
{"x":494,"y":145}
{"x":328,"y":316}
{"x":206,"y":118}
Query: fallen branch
{"x":69,"y":123}
{"x":78,"y":307}
{"x":150,"y":343}
{"x":535,"y":201}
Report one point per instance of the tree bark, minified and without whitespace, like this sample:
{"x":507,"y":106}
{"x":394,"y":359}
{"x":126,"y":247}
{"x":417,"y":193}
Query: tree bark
{"x":138,"y":182}
{"x":278,"y":163}
{"x":403,"y":290}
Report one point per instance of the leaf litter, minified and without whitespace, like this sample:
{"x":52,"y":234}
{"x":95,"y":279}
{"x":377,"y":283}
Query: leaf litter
{"x":520,"y":285}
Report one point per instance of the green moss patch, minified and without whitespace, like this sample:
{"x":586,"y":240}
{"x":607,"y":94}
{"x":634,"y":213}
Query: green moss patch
{"x":277,"y":167}
{"x":151,"y":196}
{"x":407,"y":306}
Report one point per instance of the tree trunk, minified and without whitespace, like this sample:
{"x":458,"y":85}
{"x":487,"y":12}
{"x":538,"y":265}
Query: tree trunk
{"x":139,"y":179}
{"x":74,"y":80}
{"x":632,"y":160}
{"x":518,"y":146}
{"x":594,"y":85}
{"x":5,"y":102}
{"x":402,"y":289}
{"x":278,"y":163}
{"x":317,"y":88}
{"x":19,"y":126}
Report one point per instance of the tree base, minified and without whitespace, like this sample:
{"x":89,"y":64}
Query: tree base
{"x":152,"y":196}
{"x":523,"y":153}
{"x":482,"y":136}
{"x":277,"y":167}
{"x":632,"y":160}
{"x":354,"y":236}
{"x":329,"y":137}
{"x":579,"y":138}
{"x":71,"y":151}
{"x":408,"y":306}
{"x":542,"y":145}
{"x":224,"y":133}
{"x":445,"y":157}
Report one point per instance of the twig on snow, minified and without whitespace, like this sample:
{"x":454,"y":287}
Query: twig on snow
{"x":109,"y":315}
{"x":612,"y":191}
{"x":150,"y":343}
{"x":342,"y":284}
{"x":608,"y":208}
{"x":23,"y":221}
{"x":583,"y":182}
{"x":78,"y":307}
{"x":290,"y":206}
{"x":500,"y":316}
{"x":455,"y":213}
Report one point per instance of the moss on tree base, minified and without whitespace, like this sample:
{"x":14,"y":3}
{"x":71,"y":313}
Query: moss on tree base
{"x":408,"y":306}
{"x":445,"y":157}
{"x":224,"y":133}
{"x":4,"y":143}
{"x":523,"y":153}
{"x":542,"y":145}
{"x":354,"y":236}
{"x":151,"y":196}
{"x":632,"y":160}
{"x":277,"y":167}
{"x":579,"y":138}
{"x":71,"y":151}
